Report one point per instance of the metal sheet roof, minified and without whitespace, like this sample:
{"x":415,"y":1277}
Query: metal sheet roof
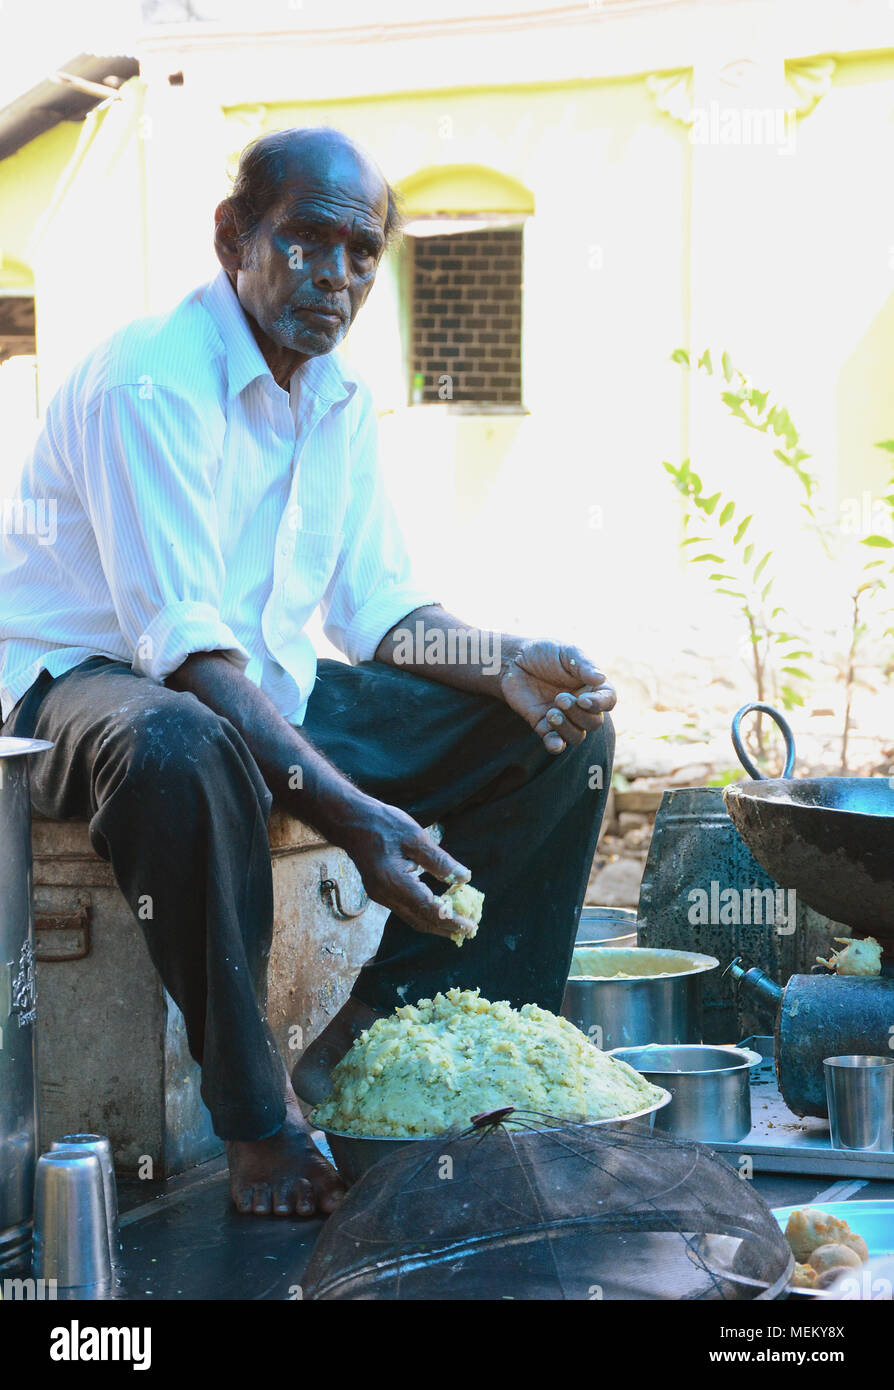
{"x":54,"y":100}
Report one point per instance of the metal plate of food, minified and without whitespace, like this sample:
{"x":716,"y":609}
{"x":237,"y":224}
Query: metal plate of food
{"x":354,"y":1154}
{"x":874,"y":1221}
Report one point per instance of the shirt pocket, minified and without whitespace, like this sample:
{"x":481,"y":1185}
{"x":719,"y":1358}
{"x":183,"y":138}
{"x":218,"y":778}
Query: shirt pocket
{"x":313,"y":565}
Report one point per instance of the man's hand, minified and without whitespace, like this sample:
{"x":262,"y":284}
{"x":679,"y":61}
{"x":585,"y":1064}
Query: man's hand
{"x":389,"y":848}
{"x":556,"y":690}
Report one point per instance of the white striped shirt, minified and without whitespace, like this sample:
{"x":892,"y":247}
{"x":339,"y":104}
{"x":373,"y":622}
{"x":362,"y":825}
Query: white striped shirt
{"x":177,"y":500}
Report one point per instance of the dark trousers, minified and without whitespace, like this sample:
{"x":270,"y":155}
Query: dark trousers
{"x":176,"y":803}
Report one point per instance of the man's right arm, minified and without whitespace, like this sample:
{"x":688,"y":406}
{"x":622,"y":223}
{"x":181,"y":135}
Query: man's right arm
{"x":149,"y":494}
{"x":384,"y":842}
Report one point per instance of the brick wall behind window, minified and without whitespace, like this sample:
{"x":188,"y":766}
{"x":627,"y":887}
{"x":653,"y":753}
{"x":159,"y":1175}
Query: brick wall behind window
{"x":467,"y":314}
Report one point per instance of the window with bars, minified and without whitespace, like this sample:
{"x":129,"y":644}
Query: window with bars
{"x":466,"y":317}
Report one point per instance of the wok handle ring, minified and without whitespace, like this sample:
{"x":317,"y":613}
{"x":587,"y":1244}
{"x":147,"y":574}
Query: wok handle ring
{"x":739,"y":746}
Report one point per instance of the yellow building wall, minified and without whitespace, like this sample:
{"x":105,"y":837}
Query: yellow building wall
{"x":542,"y":507}
{"x":640,"y":241}
{"x":73,"y":211}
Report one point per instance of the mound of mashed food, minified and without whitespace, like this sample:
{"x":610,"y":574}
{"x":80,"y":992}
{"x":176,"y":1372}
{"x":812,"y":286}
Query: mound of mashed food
{"x":435,"y":1064}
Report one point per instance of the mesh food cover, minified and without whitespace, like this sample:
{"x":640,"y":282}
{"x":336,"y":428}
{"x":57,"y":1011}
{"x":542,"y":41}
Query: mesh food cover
{"x":542,"y":1209}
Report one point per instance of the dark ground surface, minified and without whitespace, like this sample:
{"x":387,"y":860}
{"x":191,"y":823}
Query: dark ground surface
{"x":183,"y":1240}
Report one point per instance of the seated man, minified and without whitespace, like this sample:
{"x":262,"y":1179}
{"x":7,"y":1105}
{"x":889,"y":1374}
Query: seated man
{"x":215,"y":478}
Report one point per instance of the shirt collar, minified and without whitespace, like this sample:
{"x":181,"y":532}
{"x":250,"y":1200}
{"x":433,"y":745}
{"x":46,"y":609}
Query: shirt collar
{"x":327,"y":375}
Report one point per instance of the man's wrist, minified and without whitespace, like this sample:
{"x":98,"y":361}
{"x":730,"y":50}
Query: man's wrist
{"x":510,"y":649}
{"x":335,"y":807}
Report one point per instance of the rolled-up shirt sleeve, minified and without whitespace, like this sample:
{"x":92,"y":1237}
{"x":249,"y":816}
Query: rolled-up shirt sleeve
{"x":148,"y":487}
{"x":373,"y":585}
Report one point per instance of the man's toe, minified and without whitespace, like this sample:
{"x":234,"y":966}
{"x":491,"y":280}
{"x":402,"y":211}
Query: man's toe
{"x":282,"y":1198}
{"x":263,"y":1200}
{"x":304,"y":1198}
{"x":242,"y":1199}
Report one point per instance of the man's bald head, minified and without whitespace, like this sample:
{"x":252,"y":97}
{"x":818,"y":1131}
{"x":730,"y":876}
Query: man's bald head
{"x":301,"y":238}
{"x":268,"y":162}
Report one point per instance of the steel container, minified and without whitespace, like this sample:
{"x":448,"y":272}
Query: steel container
{"x":71,"y":1240}
{"x":606,"y":926}
{"x":860,"y":1093}
{"x":355,"y":1154}
{"x":99,"y":1145}
{"x":618,"y":1007}
{"x":18,"y":1004}
{"x":710,"y":1088}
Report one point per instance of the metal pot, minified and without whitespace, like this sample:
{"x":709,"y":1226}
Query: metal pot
{"x":696,"y":853}
{"x":355,"y":1154}
{"x":710,"y":1086}
{"x":18,"y":1001}
{"x":618,"y":999}
{"x":606,"y":926}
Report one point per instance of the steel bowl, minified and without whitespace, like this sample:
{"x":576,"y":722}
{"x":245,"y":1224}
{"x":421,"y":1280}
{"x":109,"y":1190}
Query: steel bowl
{"x":630,"y":1010}
{"x":606,"y":926}
{"x":710,"y":1086}
{"x":355,"y":1154}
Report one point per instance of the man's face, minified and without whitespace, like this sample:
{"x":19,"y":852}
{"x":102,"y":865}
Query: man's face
{"x":314,"y":257}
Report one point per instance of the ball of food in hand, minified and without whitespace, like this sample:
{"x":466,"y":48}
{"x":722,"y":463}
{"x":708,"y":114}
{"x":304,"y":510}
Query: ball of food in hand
{"x":462,"y":900}
{"x":830,"y":1256}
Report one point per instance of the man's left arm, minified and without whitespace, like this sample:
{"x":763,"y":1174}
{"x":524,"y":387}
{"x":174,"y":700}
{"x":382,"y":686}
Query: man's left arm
{"x":374,"y":608}
{"x":554,"y":687}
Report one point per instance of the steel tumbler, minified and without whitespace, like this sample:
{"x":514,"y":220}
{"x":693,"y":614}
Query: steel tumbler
{"x":71,"y":1241}
{"x":99,"y":1145}
{"x":860,"y":1092}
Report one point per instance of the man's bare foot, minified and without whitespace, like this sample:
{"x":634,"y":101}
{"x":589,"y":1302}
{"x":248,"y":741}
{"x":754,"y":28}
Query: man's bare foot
{"x":310,"y":1076}
{"x":285,"y":1175}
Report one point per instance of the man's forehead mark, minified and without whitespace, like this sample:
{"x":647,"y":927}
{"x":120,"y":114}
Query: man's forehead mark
{"x":313,"y":212}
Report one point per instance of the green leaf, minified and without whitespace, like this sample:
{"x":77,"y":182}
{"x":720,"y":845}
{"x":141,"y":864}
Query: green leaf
{"x":708,"y":504}
{"x":766,"y":589}
{"x":705,"y":361}
{"x":733,"y":593}
{"x":715,"y":559}
{"x":726,"y":363}
{"x":674,"y":472}
{"x":681,"y":356}
{"x":759,"y":399}
{"x":885,"y":444}
{"x":742,"y":528}
{"x":727,"y":512}
{"x":759,"y":567}
{"x":747,"y":553}
{"x":717,"y":577}
{"x":796,"y":671}
{"x":878,"y":541}
{"x":790,"y":697}
{"x":700,"y":540}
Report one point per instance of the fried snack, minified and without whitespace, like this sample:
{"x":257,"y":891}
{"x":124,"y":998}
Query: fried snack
{"x":804,"y":1277}
{"x":809,"y":1228}
{"x":859,"y":957}
{"x":462,"y":900}
{"x":832,"y":1256}
{"x":435,"y":1064}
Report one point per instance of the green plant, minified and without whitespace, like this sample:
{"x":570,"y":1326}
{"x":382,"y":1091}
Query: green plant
{"x":747,"y":568}
{"x":744,"y":571}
